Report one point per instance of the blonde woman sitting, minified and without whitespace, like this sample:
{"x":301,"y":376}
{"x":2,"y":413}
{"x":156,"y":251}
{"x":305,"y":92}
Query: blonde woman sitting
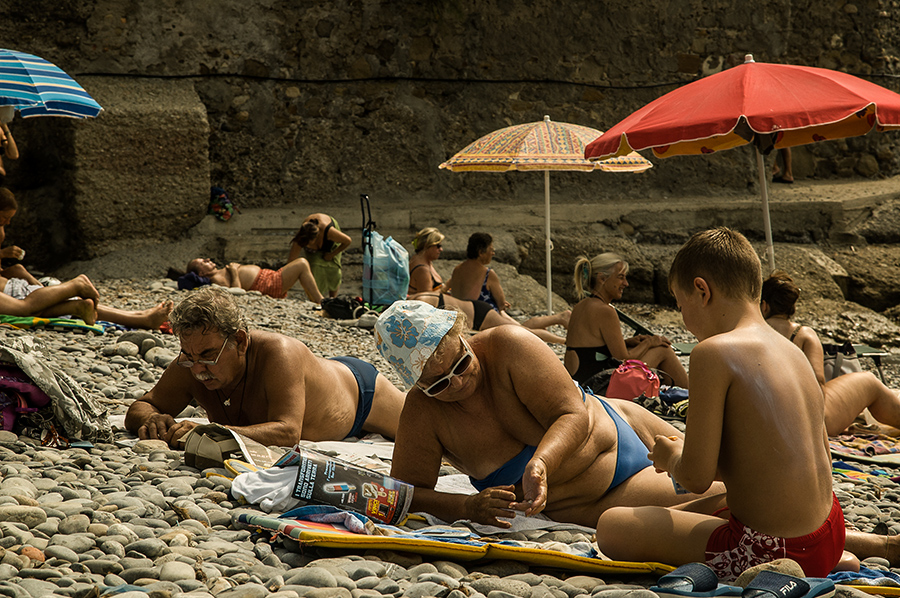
{"x":594,"y":342}
{"x":422,"y":275}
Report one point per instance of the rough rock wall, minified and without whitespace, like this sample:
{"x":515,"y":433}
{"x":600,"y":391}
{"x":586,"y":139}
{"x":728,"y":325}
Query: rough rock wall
{"x":312,"y":103}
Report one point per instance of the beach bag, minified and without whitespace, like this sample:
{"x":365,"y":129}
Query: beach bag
{"x":840,"y":360}
{"x":18,"y":395}
{"x":385,"y":276}
{"x":220,"y":205}
{"x":343,"y":308}
{"x":631,"y":380}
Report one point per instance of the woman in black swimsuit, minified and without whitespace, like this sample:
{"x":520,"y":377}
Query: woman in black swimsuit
{"x":846,"y":396}
{"x":594,"y":341}
{"x":422,"y":275}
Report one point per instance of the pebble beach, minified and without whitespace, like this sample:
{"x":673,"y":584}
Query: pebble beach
{"x":133,"y":521}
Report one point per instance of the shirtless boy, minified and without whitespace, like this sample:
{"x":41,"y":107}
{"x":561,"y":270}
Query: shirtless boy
{"x":501,"y":407}
{"x":266,"y":386}
{"x":756,"y":422}
{"x":274,"y":283}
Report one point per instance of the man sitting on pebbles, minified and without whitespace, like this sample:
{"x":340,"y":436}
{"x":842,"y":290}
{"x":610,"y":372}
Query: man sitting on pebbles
{"x":501,"y":407}
{"x":263,"y":385}
{"x":274,"y":283}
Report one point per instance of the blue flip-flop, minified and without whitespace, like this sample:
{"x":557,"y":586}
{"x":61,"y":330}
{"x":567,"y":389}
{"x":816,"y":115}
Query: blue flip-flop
{"x":694,"y":580}
{"x":771,"y":584}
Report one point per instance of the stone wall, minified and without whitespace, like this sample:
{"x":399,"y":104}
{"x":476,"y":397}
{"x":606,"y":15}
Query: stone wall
{"x":309,"y":104}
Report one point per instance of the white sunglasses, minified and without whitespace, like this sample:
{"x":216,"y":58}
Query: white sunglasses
{"x":461,"y":366}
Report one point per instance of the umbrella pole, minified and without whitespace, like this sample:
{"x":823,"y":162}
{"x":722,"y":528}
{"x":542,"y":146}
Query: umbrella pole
{"x":767,"y":222}
{"x":548,"y":245}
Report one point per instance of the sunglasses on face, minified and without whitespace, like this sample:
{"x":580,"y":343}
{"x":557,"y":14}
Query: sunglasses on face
{"x":190,"y":364}
{"x":461,"y":366}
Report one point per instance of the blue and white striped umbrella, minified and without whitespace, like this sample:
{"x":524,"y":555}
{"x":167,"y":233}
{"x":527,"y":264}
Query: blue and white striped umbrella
{"x":36,"y":87}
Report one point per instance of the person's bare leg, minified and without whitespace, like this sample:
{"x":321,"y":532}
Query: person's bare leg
{"x":848,"y":395}
{"x":664,"y":358}
{"x":864,"y":545}
{"x":19,"y":271}
{"x":80,"y":308}
{"x":47,"y":297}
{"x":560,"y":319}
{"x":494,"y":318}
{"x":787,"y":174}
{"x":150,"y":318}
{"x":299,"y":270}
{"x":642,"y":534}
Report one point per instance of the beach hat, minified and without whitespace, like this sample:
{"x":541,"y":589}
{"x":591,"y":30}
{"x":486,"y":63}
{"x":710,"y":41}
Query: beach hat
{"x":407,"y":334}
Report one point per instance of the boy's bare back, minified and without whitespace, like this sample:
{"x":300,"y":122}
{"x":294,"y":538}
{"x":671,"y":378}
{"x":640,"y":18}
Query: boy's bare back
{"x":755,"y":391}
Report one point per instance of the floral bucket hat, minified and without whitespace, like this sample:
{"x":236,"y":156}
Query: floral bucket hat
{"x":407,"y":334}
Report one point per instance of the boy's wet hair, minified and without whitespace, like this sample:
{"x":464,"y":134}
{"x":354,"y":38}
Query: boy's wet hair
{"x":780,"y":293}
{"x":720,"y":256}
{"x":208,"y":310}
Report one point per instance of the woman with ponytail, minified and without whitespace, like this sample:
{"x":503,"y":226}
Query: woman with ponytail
{"x":594,"y":342}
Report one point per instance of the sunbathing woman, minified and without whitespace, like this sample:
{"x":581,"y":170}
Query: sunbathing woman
{"x":422,"y":275}
{"x":483,"y":317}
{"x":845,"y":396}
{"x":594,"y":342}
{"x":320,"y":237}
{"x":274,"y":283}
{"x":474,"y":279}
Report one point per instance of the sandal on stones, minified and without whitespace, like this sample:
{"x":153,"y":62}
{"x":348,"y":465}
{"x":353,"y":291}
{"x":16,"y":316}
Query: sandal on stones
{"x":694,"y":580}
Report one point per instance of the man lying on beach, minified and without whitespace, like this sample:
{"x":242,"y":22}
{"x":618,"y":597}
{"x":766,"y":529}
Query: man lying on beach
{"x":756,"y":422}
{"x":274,"y":283}
{"x":266,"y":386}
{"x":501,"y":408}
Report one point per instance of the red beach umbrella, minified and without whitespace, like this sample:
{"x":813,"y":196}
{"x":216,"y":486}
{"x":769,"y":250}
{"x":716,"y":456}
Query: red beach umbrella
{"x":769,"y":105}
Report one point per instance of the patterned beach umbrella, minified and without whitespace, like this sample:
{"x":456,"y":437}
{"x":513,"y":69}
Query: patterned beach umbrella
{"x":768,"y":105}
{"x":544,"y":145}
{"x":36,"y":87}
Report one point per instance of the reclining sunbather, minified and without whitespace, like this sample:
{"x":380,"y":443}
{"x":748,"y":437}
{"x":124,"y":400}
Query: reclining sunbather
{"x":501,"y":407}
{"x":846,"y":396}
{"x":274,"y":283}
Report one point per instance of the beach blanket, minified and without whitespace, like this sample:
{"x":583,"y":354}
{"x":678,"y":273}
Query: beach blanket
{"x":853,"y":472}
{"x":23,"y":322}
{"x":438,"y":541}
{"x":868,"y":448}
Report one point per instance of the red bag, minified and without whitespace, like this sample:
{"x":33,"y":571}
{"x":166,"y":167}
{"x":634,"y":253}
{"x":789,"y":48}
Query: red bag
{"x":632,"y":379}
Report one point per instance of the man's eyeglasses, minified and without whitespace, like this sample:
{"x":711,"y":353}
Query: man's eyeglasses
{"x":461,"y":366}
{"x":190,"y":364}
